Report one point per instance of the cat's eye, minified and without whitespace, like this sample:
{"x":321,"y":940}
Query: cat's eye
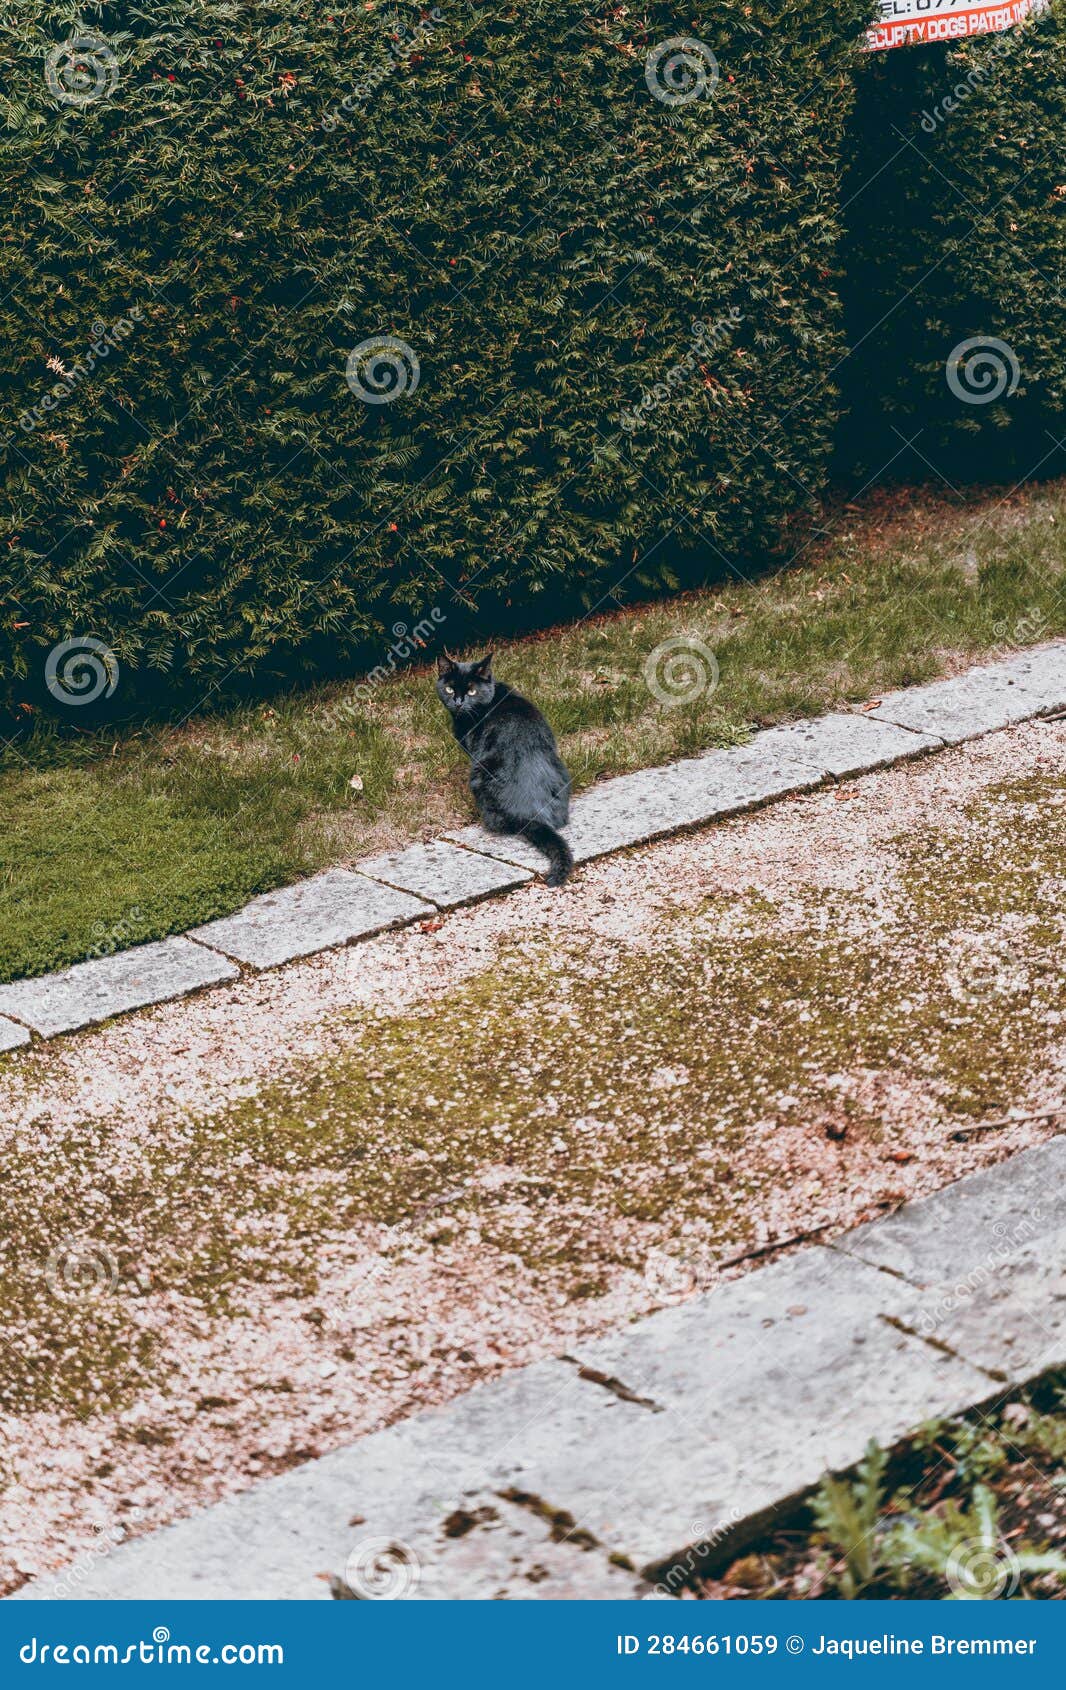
{"x":449,"y":689}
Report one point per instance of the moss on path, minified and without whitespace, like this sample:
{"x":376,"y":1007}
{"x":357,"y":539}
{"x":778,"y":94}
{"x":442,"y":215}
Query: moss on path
{"x":581,"y":1109}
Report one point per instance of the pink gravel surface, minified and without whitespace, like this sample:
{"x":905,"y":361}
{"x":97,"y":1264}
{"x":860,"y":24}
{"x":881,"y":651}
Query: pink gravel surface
{"x":244,"y":1228}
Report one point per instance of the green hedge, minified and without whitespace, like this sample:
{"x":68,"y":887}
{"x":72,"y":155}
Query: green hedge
{"x":624,"y":315}
{"x":956,"y":212}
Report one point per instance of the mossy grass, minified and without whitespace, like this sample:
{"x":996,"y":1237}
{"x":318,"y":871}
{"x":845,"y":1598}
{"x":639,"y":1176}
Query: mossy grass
{"x":112,"y":838}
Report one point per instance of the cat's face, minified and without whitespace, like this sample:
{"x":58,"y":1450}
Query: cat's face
{"x":465,"y":687}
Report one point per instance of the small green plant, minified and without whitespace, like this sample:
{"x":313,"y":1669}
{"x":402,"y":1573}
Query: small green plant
{"x":974,"y":1450}
{"x":1043,"y":1433}
{"x":849,"y":1513}
{"x":962,"y":1548}
{"x":966,"y":1550}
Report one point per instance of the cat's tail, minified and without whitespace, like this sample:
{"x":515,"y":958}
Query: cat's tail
{"x":555,"y":848}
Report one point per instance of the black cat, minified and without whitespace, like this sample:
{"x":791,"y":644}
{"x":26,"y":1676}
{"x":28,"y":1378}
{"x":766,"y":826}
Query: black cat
{"x":516,"y":774}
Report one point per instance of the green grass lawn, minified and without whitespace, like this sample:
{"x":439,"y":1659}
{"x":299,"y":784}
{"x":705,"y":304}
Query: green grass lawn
{"x":105,"y":843}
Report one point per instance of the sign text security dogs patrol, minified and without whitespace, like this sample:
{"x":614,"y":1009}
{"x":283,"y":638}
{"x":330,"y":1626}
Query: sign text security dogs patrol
{"x":901,"y":22}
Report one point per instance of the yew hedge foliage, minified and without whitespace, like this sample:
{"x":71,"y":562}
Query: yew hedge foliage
{"x":501,"y":191}
{"x":623,"y":313}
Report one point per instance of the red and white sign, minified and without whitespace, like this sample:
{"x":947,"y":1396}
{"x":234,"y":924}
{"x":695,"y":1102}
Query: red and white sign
{"x":901,"y":22}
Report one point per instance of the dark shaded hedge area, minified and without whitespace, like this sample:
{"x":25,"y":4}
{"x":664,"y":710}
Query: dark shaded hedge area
{"x":626,"y":314}
{"x":955,"y":214}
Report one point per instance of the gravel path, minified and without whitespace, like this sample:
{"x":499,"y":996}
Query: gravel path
{"x":244,"y":1228}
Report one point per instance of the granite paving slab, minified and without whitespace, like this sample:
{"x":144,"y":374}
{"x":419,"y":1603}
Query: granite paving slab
{"x":844,"y":744}
{"x":105,"y":986}
{"x":623,"y":811}
{"x":1007,"y":1315}
{"x":401,"y":1485}
{"x":329,"y":909}
{"x":977,"y":702}
{"x":1041,"y":673}
{"x":495,"y":1545}
{"x":443,"y":874}
{"x":763,"y":1385}
{"x":12,"y":1036}
{"x":633,"y":809}
{"x":989,"y":1257}
{"x":727,"y":783}
{"x":956,"y":1230}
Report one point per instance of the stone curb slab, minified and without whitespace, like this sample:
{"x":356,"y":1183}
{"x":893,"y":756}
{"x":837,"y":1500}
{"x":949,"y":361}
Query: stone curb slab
{"x":1041,"y":673}
{"x":988,"y":1256}
{"x":727,"y":783}
{"x":627,"y":810}
{"x":763,"y":1385}
{"x":952,"y":1232}
{"x":329,"y":909}
{"x":341,"y":905}
{"x":633,"y":809}
{"x":842,"y":745}
{"x":1008,"y":1316}
{"x":502,"y":1546}
{"x":106,"y":986}
{"x":443,"y":874}
{"x":402,"y":1484}
{"x":11,"y":1036}
{"x":693,"y":1425}
{"x":982,"y":699}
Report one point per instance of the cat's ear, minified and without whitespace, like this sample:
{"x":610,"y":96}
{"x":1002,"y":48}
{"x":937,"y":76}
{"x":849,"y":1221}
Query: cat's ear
{"x":444,"y":663}
{"x":483,"y":666}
